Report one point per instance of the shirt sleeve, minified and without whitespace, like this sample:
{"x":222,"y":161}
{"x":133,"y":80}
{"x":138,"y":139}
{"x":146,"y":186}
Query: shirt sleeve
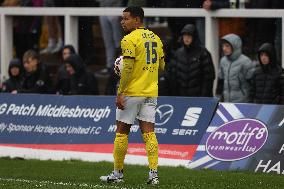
{"x":125,"y":75}
{"x":128,"y":48}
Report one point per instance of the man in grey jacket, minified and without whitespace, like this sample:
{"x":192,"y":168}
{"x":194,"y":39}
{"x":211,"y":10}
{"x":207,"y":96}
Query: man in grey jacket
{"x":235,"y":71}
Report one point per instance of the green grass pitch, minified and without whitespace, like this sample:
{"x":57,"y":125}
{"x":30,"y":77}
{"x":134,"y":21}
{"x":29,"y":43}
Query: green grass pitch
{"x":30,"y":174}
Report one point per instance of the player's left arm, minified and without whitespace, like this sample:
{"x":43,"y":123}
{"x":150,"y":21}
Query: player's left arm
{"x":128,"y":53}
{"x":128,"y":64}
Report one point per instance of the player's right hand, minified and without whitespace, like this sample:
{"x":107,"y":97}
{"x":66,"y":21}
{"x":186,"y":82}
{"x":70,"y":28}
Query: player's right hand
{"x":120,"y":104}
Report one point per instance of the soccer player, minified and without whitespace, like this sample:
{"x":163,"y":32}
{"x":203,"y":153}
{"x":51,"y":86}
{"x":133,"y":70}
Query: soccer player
{"x":143,"y":57}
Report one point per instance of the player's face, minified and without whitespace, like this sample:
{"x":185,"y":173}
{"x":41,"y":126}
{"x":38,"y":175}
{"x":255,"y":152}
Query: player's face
{"x":128,"y":22}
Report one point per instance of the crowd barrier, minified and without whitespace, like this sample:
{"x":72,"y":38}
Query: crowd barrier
{"x":198,"y":133}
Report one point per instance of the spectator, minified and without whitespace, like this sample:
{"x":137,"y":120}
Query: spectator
{"x":268,"y":80}
{"x":82,"y":82}
{"x":191,"y":72}
{"x":235,"y":71}
{"x":37,"y":78}
{"x":67,"y":51}
{"x":63,"y":79}
{"x":15,"y":81}
{"x":112,"y":34}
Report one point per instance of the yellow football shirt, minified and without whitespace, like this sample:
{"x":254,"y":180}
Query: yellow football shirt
{"x":146,"y":49}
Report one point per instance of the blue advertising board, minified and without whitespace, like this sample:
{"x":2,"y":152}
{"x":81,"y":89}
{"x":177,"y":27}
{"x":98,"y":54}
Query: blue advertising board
{"x":87,"y":124}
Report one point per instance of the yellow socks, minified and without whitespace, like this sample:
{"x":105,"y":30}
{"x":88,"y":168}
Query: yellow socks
{"x":120,"y":150}
{"x":121,"y":145}
{"x":151,"y":143}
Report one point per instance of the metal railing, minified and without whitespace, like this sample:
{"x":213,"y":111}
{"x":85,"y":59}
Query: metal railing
{"x":71,"y":24}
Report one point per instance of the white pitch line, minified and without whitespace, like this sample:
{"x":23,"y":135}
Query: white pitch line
{"x":59,"y":183}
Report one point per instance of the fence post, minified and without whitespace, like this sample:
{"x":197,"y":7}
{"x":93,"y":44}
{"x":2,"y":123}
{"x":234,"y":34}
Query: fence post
{"x":71,"y":31}
{"x":6,"y":43}
{"x":212,"y":42}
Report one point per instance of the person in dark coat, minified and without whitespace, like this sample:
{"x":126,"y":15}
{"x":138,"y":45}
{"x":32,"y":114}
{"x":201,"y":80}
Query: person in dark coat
{"x":36,"y":78}
{"x":268,"y":80}
{"x":15,"y":80}
{"x":191,"y":71}
{"x":82,"y":82}
{"x":63,"y":79}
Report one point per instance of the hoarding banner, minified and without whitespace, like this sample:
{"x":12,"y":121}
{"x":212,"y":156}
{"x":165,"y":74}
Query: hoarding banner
{"x":87,"y":124}
{"x":243,"y":137}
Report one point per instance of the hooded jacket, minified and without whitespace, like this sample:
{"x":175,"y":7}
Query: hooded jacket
{"x":235,"y":71}
{"x":82,"y":82}
{"x":191,"y":71}
{"x":62,"y":85}
{"x":268,"y":80}
{"x":14,"y":82}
